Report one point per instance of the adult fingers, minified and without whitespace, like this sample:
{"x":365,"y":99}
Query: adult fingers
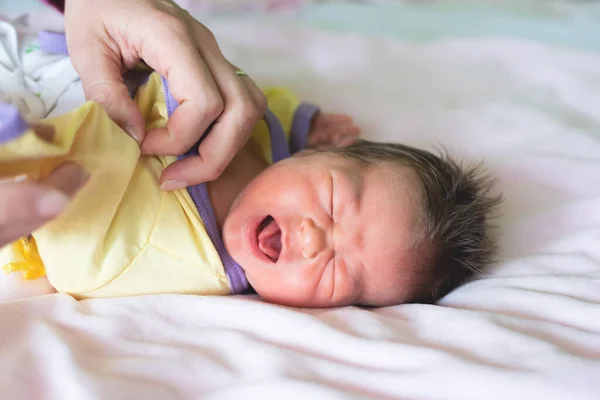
{"x":231,"y":130}
{"x":258,"y":97}
{"x":99,"y":64}
{"x":68,"y":178}
{"x":26,"y":206}
{"x":171,"y":49}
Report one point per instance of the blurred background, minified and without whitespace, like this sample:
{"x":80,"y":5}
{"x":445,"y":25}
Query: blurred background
{"x":572,"y":23}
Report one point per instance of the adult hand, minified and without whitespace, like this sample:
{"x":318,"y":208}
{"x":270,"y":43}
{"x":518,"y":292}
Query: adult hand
{"x":106,"y":38}
{"x":26,"y":206}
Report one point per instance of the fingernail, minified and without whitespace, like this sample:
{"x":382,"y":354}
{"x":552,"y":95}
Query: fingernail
{"x":131,"y":131}
{"x":172,"y":185}
{"x":52,"y":204}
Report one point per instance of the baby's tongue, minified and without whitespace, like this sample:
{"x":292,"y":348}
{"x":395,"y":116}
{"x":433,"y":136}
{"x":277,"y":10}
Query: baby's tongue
{"x":269,"y":240}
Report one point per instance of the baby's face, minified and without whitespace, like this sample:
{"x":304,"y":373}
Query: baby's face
{"x":319,"y":230}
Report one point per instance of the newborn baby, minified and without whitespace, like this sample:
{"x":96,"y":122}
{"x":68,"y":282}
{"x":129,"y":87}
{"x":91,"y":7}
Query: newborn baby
{"x":306,"y":215}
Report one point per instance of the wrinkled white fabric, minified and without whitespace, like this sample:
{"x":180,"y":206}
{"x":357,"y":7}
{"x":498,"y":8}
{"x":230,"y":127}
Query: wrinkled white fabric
{"x":30,"y":78}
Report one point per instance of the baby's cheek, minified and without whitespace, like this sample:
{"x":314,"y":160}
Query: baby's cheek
{"x":322,"y":285}
{"x":390,"y":284}
{"x":285,"y":284}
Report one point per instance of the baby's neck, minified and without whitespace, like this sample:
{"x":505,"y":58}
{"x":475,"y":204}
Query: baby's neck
{"x":245,"y":166}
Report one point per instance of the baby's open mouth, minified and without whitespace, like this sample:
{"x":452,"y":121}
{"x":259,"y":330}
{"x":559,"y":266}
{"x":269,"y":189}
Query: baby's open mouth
{"x":269,"y":238}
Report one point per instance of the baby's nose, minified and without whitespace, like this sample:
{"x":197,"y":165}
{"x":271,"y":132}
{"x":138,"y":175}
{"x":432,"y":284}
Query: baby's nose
{"x":314,"y":239}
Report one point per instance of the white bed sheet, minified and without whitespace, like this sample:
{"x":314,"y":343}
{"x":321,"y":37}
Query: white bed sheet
{"x":529,"y":330}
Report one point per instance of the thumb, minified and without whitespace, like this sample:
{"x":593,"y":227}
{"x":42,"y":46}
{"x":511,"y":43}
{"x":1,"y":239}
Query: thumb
{"x":26,"y":206}
{"x":100,"y":72}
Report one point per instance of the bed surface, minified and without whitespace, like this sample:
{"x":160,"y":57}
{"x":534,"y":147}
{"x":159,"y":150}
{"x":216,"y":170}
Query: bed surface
{"x":530,"y":329}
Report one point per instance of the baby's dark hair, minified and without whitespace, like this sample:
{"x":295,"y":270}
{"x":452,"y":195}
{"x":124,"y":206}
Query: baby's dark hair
{"x":456,"y":216}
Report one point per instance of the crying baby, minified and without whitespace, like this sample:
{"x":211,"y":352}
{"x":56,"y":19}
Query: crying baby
{"x":306,"y":215}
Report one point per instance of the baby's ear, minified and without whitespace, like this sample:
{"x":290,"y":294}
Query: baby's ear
{"x":332,"y":131}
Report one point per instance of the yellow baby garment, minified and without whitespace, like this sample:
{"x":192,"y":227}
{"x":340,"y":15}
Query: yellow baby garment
{"x":122,"y":235}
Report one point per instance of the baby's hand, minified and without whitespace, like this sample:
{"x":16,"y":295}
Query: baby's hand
{"x":332,"y":130}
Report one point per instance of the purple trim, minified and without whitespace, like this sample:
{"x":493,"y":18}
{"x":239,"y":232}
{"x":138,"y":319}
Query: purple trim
{"x":169,"y":99}
{"x":301,"y":126}
{"x":235,"y":273}
{"x":199,"y":194}
{"x":53,"y":42}
{"x":279,"y":146}
{"x":12,"y":125}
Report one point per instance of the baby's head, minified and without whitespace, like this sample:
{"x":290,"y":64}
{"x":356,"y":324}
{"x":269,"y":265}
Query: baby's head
{"x":372,"y":224}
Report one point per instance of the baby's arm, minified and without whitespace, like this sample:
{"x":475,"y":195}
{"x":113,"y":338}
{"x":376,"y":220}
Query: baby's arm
{"x":332,"y":130}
